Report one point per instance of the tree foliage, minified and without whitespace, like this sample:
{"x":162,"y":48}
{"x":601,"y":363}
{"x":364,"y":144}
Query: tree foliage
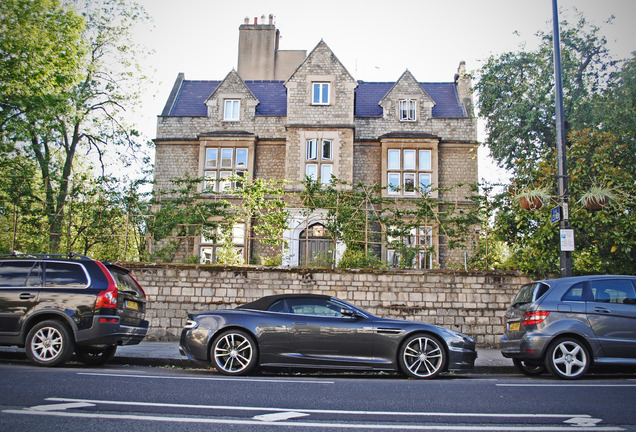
{"x":516,"y":91}
{"x":84,"y":76}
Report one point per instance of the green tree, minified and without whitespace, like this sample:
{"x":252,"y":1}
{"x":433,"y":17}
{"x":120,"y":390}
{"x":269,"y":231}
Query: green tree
{"x":85,"y":111}
{"x":516,"y":92}
{"x":604,"y":239}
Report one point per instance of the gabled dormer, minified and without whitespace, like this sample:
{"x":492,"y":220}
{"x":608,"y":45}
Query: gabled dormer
{"x":232,"y":101}
{"x":407,"y":102}
{"x":320,"y":91}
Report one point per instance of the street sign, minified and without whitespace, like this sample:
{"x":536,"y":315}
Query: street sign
{"x":567,"y":240}
{"x":555,"y":214}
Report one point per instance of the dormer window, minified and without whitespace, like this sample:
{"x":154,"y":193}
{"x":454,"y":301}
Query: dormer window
{"x":232,"y":110}
{"x":320,"y":93}
{"x":407,"y":110}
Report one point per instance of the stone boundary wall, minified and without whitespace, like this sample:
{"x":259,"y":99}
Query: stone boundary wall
{"x":470,"y":302}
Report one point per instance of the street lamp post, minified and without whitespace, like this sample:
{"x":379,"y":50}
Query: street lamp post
{"x":565,"y":256}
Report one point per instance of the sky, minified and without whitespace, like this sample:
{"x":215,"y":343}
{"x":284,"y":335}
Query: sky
{"x":374,"y":42}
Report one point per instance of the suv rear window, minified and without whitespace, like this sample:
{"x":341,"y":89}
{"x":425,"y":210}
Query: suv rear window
{"x":61,"y":274}
{"x":124,"y":281}
{"x":529,"y":293}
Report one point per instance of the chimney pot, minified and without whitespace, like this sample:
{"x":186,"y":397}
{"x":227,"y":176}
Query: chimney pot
{"x":255,"y":20}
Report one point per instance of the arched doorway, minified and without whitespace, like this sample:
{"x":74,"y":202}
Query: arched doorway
{"x":315,"y":246}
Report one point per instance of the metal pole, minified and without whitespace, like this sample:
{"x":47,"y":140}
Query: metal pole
{"x":565,"y":257}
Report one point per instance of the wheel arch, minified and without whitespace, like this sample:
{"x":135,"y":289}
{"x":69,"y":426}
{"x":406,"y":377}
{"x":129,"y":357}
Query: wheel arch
{"x":581,"y":339}
{"x":39,"y":317}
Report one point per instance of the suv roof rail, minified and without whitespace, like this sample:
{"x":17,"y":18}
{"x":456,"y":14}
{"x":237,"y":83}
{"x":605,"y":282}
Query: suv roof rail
{"x":70,"y":255}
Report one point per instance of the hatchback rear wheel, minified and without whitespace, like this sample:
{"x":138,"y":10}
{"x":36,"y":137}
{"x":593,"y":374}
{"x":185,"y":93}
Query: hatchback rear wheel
{"x":567,"y":358}
{"x":529,"y":368}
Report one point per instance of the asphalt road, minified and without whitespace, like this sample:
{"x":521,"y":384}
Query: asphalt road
{"x":133,"y":398}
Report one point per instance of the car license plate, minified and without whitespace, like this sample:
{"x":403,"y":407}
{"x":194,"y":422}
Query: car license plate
{"x":514,"y":326}
{"x":132,"y":305}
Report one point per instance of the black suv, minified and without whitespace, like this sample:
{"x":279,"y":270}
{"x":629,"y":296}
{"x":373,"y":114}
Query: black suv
{"x":54,"y":305}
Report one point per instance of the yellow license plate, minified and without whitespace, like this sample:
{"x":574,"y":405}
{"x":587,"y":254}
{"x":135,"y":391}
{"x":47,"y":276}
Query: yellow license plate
{"x":514,"y":326}
{"x":132,"y":305}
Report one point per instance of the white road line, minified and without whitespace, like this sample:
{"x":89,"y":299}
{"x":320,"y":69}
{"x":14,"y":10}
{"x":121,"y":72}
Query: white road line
{"x":566,"y":385}
{"x":95,"y":415}
{"x":279,"y":416}
{"x":263,"y":380}
{"x":62,"y":406}
{"x":318,"y":411}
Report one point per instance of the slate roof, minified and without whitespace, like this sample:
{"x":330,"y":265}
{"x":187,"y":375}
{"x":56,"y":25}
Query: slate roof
{"x":272,"y":95}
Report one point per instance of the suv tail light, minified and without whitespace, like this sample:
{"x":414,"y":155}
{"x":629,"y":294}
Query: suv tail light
{"x":108,"y":298}
{"x":533,"y":318}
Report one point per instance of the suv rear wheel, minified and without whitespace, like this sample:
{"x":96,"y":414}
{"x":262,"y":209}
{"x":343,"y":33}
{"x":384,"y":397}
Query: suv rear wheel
{"x":567,"y":358}
{"x":49,"y":343}
{"x":95,"y":356}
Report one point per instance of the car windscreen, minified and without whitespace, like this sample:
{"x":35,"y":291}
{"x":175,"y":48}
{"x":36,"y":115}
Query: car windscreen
{"x":529,"y":293}
{"x":125,"y":282}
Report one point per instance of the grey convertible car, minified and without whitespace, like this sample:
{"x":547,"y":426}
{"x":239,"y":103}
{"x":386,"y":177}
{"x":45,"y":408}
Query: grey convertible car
{"x":320,"y":332}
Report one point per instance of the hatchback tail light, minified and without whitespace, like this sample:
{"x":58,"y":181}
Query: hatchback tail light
{"x":533,"y":318}
{"x":108,"y":298}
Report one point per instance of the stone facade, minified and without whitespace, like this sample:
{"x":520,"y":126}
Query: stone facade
{"x":470,"y":302}
{"x":353,"y":125}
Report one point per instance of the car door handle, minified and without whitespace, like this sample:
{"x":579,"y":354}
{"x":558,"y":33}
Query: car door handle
{"x":602,"y":309}
{"x":26,"y":296}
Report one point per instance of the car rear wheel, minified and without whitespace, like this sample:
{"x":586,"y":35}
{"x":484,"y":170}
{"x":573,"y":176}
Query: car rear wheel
{"x":95,"y":356}
{"x":422,"y":356}
{"x":234,"y":352}
{"x":567,"y":358}
{"x":529,"y":368}
{"x":49,"y":343}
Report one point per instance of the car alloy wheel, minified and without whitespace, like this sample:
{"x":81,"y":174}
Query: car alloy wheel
{"x":567,"y":358}
{"x":422,"y":356}
{"x":234,"y":352}
{"x":49,"y":343}
{"x":529,"y":368}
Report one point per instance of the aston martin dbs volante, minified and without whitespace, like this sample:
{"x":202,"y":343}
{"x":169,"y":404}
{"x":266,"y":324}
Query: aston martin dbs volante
{"x":320,"y":332}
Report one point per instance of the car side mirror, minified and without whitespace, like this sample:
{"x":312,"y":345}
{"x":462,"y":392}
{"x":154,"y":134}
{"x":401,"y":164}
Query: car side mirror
{"x":349,"y":313}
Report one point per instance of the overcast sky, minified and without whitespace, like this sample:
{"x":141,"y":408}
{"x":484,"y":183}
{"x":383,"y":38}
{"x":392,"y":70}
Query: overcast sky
{"x":375,"y":43}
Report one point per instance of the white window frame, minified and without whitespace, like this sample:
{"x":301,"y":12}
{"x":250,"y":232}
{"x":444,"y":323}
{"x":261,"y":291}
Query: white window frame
{"x":393,"y":166}
{"x":311,"y":171}
{"x":209,"y":182}
{"x":242,"y":158}
{"x":390,"y":186}
{"x":408,"y":110}
{"x":232,"y":110}
{"x":425,"y":162}
{"x":312,"y":150}
{"x":325,"y":173}
{"x":422,"y":184}
{"x":224,"y":158}
{"x":410,"y":189}
{"x":320,"y":93}
{"x":209,"y":161}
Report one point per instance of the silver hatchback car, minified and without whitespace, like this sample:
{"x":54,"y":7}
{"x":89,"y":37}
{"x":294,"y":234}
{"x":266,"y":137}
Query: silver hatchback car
{"x":566,"y":325}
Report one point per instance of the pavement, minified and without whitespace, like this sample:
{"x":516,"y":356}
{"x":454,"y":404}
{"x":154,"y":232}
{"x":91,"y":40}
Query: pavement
{"x":166,"y":354}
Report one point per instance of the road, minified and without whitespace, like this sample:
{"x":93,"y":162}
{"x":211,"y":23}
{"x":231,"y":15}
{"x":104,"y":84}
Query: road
{"x":127,"y":398}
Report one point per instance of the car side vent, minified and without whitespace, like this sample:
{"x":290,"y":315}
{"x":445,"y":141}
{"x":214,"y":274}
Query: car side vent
{"x":388,"y":330}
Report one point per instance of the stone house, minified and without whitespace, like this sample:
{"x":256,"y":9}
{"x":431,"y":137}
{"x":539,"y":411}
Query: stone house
{"x":289,"y":114}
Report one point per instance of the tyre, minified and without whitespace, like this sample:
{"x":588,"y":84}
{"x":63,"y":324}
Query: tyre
{"x":95,"y":356}
{"x":49,"y":343}
{"x":567,"y":358}
{"x":234,"y":352}
{"x":529,"y":368}
{"x":422,"y":356}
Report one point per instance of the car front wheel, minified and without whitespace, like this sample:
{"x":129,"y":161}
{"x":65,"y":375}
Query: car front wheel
{"x":234,"y":352}
{"x":49,"y":343}
{"x":567,"y":358}
{"x":422,"y":356}
{"x":95,"y":356}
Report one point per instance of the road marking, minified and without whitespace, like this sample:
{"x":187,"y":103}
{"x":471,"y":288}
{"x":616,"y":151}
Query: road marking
{"x":318,"y":411}
{"x":566,"y":385}
{"x":279,"y":416}
{"x":264,"y":380}
{"x":348,"y":426}
{"x":61,"y":406}
{"x":583,"y":421}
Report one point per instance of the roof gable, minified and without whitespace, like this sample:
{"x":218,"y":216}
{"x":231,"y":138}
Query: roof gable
{"x":320,"y":60}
